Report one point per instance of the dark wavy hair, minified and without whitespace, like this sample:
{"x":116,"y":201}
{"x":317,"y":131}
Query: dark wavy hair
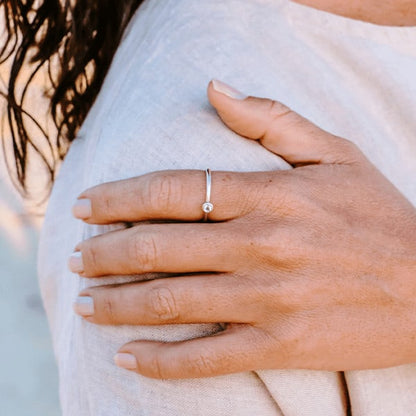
{"x":74,"y":41}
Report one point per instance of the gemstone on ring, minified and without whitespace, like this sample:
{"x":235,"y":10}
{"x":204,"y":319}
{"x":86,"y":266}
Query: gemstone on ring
{"x":207,"y":207}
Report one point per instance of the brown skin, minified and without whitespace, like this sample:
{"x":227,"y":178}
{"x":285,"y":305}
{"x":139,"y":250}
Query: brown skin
{"x":381,"y":12}
{"x":311,"y":268}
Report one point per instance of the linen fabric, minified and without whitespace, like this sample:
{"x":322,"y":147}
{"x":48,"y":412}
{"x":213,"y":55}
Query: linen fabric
{"x":354,"y":79}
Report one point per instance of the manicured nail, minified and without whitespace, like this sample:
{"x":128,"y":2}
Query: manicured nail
{"x":124,"y":360}
{"x":84,"y":306}
{"x":226,"y":89}
{"x":82,"y":209}
{"x":75,"y":262}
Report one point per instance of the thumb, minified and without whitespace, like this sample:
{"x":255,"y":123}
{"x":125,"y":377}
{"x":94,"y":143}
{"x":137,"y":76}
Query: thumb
{"x":278,"y":128}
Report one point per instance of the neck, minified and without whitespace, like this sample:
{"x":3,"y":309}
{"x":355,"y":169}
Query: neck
{"x":381,"y":12}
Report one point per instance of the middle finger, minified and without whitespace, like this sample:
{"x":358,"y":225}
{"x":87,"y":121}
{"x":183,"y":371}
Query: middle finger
{"x":165,"y":248}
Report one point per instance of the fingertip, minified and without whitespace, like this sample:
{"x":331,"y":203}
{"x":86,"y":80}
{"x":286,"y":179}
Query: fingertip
{"x":84,"y":306}
{"x":125,"y":360}
{"x":213,"y":95}
{"x":220,"y":92}
{"x":82,"y":209}
{"x":227,"y":90}
{"x":75,"y":263}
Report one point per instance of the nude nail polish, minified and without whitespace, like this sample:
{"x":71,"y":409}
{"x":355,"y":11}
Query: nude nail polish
{"x":124,"y":360}
{"x":84,"y":306}
{"x":226,"y":89}
{"x":82,"y":209}
{"x":75,"y":262}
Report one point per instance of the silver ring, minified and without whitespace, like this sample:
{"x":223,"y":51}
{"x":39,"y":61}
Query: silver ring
{"x":207,"y":206}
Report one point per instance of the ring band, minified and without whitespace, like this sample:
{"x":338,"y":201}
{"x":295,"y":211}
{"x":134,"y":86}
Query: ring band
{"x":207,"y":206}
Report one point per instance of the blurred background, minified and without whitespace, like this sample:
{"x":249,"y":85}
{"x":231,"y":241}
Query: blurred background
{"x":28,"y":376}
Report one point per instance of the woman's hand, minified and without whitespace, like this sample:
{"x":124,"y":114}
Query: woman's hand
{"x":310,"y":268}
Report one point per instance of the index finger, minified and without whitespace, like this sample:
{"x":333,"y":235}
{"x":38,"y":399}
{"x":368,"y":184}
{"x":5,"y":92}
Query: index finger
{"x":170,"y":195}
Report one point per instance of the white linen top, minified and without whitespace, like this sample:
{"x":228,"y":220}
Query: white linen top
{"x":354,"y":79}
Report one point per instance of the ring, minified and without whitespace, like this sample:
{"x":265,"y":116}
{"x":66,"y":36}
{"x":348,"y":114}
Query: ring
{"x":207,"y":206}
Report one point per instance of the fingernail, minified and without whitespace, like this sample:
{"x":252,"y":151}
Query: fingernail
{"x":82,"y":209}
{"x":75,"y":262}
{"x":124,"y":360}
{"x":84,"y":305}
{"x":226,"y":89}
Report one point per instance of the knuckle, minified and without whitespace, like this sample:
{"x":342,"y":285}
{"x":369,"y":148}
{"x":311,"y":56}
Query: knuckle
{"x":291,"y":339}
{"x":201,"y":365}
{"x":278,"y":110}
{"x":163,"y":191}
{"x":107,"y":206}
{"x":90,"y":257}
{"x":268,"y":243}
{"x":276,"y":114}
{"x":152,"y":367}
{"x":280,"y":347}
{"x":287,"y":298}
{"x":349,"y":145}
{"x":107,"y":308}
{"x":348,"y":151}
{"x":162,"y":305}
{"x":296,"y":193}
{"x":276,"y":248}
{"x":143,"y":251}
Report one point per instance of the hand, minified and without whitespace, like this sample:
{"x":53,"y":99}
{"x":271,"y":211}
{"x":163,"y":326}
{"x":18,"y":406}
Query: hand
{"x":310,"y":268}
